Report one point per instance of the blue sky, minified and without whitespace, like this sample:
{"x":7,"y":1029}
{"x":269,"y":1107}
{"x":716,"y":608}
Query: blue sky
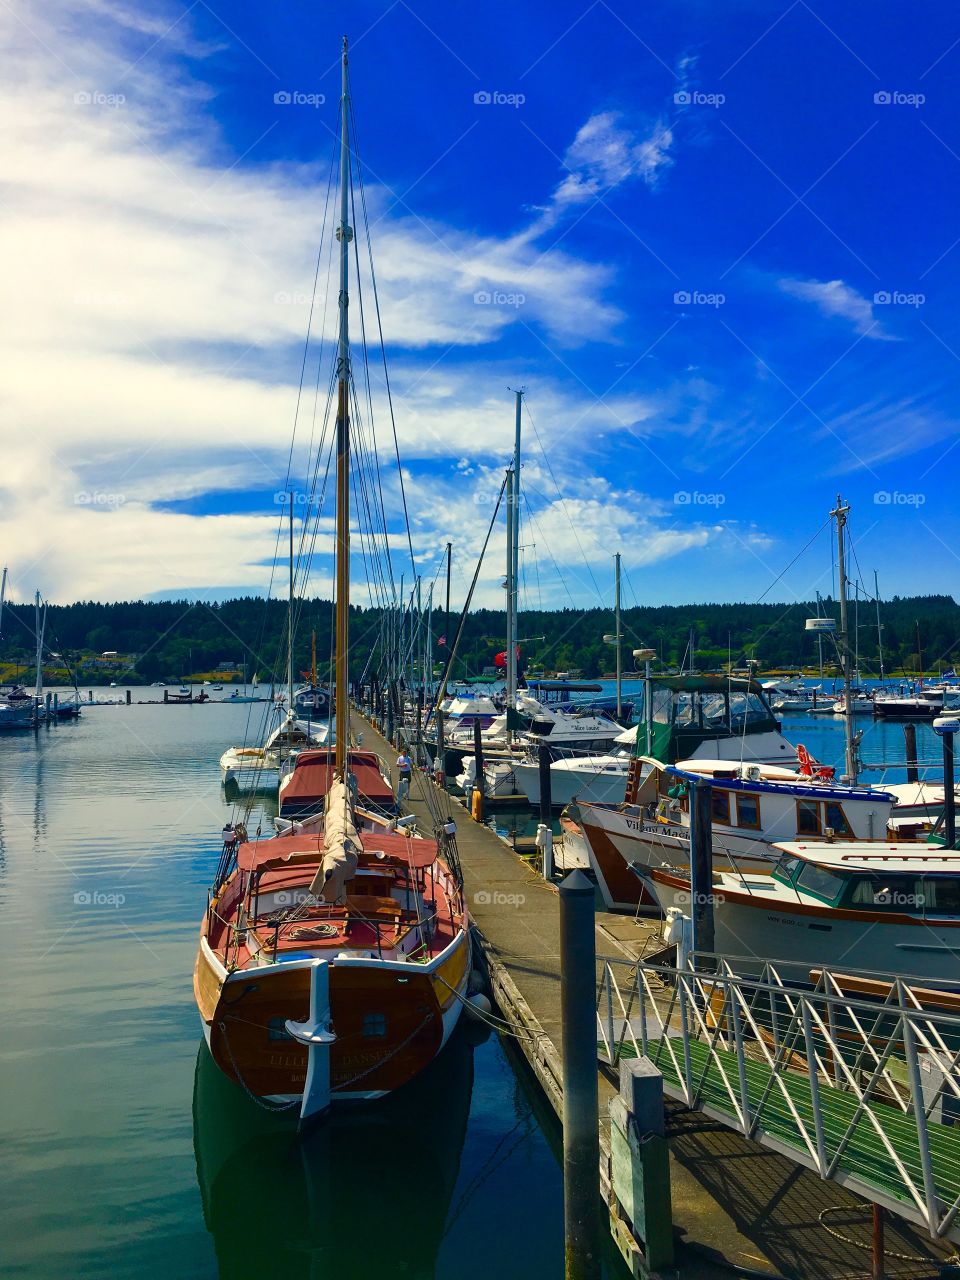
{"x":728,"y":236}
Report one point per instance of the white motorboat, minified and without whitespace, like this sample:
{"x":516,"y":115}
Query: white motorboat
{"x":753,"y":807}
{"x":16,"y":715}
{"x":923,"y":799}
{"x":257,"y":768}
{"x":861,"y":704}
{"x":862,"y":906}
{"x":590,"y":777}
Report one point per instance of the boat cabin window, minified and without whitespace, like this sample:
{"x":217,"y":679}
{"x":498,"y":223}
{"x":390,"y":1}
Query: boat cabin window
{"x":748,"y":811}
{"x":787,"y":867}
{"x":662,"y":706}
{"x":836,"y":819}
{"x":808,"y":817}
{"x":748,"y":708}
{"x":820,"y":881}
{"x":941,"y":894}
{"x":910,"y":895}
{"x":720,"y":806}
{"x":687,"y":709}
{"x":374,"y":1026}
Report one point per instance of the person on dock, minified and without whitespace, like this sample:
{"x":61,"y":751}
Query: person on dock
{"x":404,"y":773}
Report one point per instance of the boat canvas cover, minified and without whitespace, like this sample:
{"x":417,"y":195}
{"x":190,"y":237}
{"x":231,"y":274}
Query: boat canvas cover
{"x":292,"y":850}
{"x":313,"y":774}
{"x":341,"y":843}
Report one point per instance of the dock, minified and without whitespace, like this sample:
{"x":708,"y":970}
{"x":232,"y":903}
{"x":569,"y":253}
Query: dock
{"x":735,"y":1203}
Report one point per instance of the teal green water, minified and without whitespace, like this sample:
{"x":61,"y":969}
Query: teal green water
{"x":124,"y":1152}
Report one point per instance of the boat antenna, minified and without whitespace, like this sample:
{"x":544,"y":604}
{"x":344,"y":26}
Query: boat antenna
{"x":342,"y":631}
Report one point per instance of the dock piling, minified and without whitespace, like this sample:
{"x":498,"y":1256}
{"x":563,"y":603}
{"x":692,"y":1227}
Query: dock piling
{"x":545,"y":843}
{"x":949,"y":798}
{"x":701,"y":866}
{"x":478,"y":781}
{"x":910,"y":742}
{"x":546,"y":798}
{"x":946,"y":727}
{"x":581,"y":1132}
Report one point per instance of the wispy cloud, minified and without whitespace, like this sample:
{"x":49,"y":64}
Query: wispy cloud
{"x":836,"y":298}
{"x":604,"y":154}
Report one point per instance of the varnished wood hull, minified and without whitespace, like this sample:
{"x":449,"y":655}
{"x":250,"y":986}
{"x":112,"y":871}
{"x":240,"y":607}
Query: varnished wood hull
{"x":390,"y":1019}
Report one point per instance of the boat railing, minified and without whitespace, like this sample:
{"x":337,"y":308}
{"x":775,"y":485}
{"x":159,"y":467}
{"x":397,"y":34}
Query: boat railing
{"x":854,"y":1075}
{"x":340,"y":916}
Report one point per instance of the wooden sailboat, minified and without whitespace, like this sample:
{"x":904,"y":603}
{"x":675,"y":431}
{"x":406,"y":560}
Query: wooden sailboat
{"x":334,"y":959}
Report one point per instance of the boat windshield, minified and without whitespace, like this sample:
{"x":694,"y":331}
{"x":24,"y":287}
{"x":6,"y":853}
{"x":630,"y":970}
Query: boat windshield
{"x":786,"y":868}
{"x":718,"y":710}
{"x":821,"y":881}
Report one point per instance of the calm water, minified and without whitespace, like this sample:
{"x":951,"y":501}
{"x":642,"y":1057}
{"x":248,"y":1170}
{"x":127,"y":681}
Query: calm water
{"x":123,"y":1152}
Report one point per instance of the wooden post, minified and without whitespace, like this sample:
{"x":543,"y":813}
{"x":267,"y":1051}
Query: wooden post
{"x":128,"y":697}
{"x":877,"y":1250}
{"x":640,"y":1161}
{"x":581,"y":1124}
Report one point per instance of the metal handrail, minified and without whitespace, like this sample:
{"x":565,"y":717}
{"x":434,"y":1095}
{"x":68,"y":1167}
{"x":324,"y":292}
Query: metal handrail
{"x":812,"y":1045}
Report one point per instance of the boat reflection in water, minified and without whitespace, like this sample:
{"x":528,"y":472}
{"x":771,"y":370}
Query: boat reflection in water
{"x":364,"y":1193}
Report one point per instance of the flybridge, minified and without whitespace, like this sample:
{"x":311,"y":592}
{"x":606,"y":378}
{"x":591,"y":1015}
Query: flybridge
{"x":709,"y":716}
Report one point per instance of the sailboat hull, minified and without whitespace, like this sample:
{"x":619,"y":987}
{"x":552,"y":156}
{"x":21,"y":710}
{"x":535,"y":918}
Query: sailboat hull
{"x":391,"y":1019}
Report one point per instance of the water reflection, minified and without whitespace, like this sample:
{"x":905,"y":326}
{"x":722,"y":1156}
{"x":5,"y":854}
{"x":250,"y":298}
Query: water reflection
{"x":367,"y":1192}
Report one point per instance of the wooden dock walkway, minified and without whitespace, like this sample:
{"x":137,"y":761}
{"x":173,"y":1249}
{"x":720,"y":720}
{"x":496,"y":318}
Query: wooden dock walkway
{"x":733,"y":1200}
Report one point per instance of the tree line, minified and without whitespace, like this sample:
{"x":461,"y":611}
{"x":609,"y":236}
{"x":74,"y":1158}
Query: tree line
{"x":175,"y":640}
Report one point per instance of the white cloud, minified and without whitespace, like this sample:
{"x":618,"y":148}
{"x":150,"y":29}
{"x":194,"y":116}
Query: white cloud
{"x":154,"y":306}
{"x":835,"y":298}
{"x":606,"y":153}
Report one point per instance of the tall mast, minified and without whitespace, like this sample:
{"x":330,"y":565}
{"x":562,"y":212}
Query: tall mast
{"x":3,"y":593}
{"x":616,"y":628}
{"x":428,"y":648}
{"x":290,"y":619}
{"x":513,"y":561}
{"x":840,"y":515}
{"x":446,"y":621}
{"x":342,"y":630}
{"x":876,"y":592}
{"x":40,"y":630}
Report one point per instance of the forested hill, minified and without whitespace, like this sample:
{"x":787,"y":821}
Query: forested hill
{"x":174,"y":640}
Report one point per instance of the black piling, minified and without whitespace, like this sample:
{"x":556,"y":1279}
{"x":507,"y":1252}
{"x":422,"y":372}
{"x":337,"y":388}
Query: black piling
{"x":581,"y":1128}
{"x":701,"y":865}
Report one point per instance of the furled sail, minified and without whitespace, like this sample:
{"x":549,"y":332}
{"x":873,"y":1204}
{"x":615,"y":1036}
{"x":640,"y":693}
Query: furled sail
{"x":341,"y":844}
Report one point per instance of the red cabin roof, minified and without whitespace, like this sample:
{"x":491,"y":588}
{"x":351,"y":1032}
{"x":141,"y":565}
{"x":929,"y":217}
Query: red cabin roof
{"x":304,"y":789}
{"x":306,"y":846}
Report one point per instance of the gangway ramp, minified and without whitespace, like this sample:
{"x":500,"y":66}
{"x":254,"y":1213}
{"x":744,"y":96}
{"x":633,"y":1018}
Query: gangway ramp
{"x":862,"y":1086}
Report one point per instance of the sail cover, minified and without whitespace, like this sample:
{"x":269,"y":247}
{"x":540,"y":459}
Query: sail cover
{"x":341,"y":845}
